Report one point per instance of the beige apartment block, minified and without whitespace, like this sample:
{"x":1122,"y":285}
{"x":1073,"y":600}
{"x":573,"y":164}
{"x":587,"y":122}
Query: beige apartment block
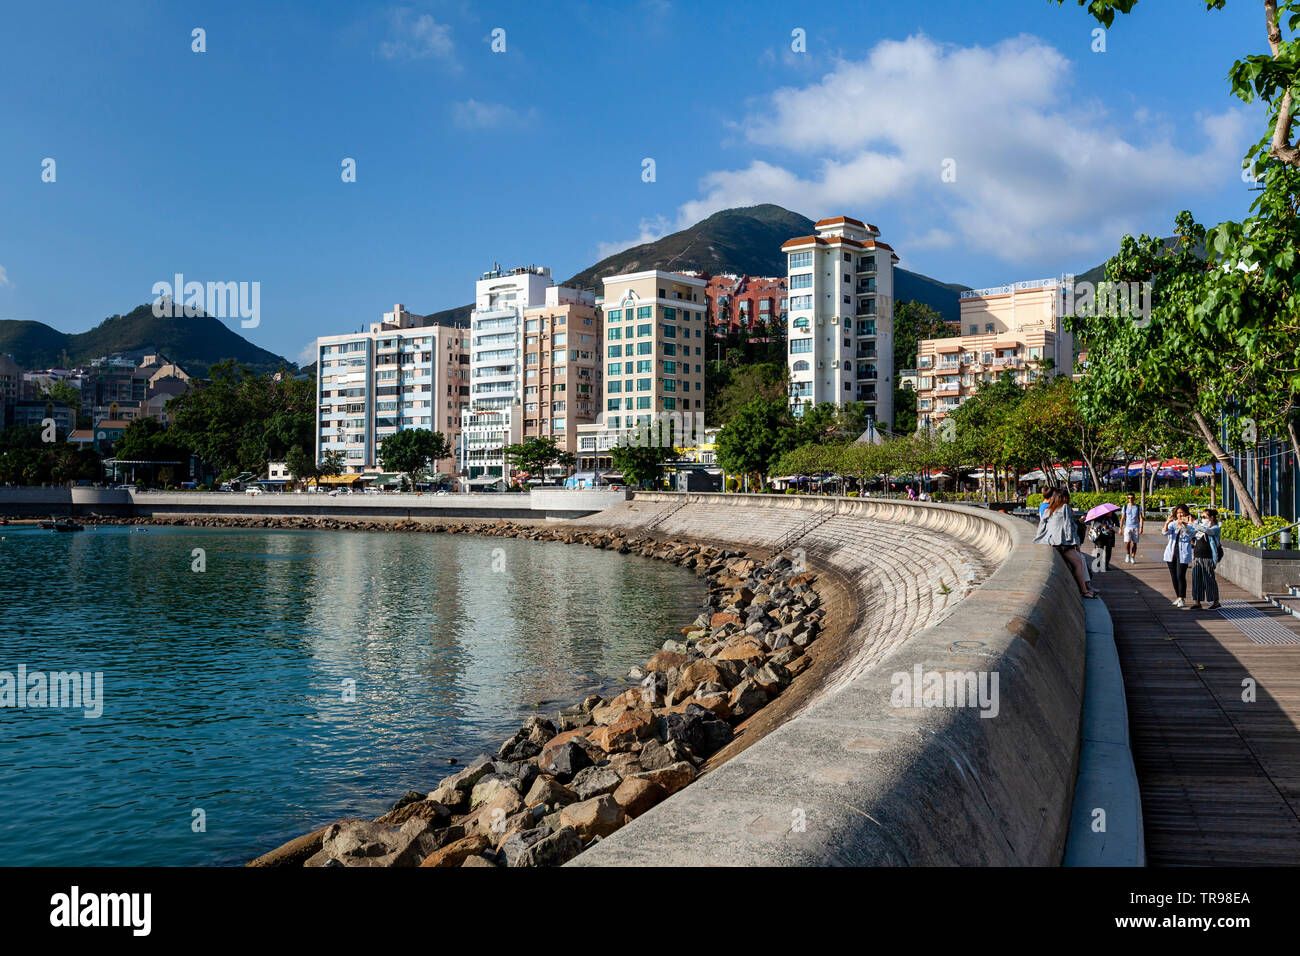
{"x":562,"y":383}
{"x":654,"y":326}
{"x":1014,"y":328}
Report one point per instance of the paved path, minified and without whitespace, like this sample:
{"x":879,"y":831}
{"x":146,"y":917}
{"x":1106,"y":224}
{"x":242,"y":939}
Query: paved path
{"x":1220,"y":777}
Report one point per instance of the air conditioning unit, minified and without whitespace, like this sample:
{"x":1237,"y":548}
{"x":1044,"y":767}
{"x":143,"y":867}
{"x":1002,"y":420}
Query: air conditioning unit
{"x":835,"y":320}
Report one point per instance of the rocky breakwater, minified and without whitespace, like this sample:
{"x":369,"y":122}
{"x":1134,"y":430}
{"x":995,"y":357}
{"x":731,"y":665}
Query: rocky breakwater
{"x":557,"y":786}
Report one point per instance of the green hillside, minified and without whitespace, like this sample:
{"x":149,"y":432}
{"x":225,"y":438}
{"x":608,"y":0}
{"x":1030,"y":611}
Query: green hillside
{"x":194,"y":343}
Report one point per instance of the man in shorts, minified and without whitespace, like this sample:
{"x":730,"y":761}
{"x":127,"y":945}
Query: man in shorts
{"x":1132,"y":523}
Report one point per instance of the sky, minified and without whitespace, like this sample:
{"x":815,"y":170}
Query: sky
{"x":991,"y":141}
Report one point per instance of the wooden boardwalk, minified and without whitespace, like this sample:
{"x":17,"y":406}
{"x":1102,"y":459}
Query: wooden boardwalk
{"x":1220,"y":777}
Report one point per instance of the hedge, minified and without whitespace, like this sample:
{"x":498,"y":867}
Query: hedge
{"x":1241,"y":530}
{"x":1156,"y":500}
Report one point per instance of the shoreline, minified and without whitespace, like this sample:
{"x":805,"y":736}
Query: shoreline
{"x":560,"y":784}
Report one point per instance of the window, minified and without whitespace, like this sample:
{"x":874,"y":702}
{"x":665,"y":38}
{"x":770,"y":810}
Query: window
{"x":671,"y":314}
{"x":643,"y":401}
{"x":643,"y":330}
{"x":643,"y":384}
{"x":615,"y":368}
{"x":644,"y":348}
{"x":974,"y":330}
{"x":669,"y":384}
{"x":615,"y":334}
{"x":670,"y":348}
{"x":798,"y":259}
{"x":615,"y":386}
{"x":611,"y":405}
{"x":616,"y":351}
{"x":988,"y":328}
{"x":670,"y":368}
{"x":614,"y":315}
{"x":800,"y":366}
{"x":798,"y":302}
{"x":670,"y":403}
{"x":560,"y":339}
{"x":801,"y":281}
{"x":800,"y":345}
{"x":644,"y":365}
{"x":670,"y":331}
{"x":645,"y":311}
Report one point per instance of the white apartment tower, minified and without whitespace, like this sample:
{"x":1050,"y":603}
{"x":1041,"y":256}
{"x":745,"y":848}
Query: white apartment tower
{"x":398,"y":374}
{"x":841,"y":318}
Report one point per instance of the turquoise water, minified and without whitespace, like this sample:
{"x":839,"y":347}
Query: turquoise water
{"x":224,"y":690}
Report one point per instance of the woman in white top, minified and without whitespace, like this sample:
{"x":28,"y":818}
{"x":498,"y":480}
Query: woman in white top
{"x":1178,"y":550}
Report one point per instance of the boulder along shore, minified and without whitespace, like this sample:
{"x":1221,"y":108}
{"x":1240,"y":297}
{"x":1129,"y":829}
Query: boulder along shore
{"x":558,"y":785}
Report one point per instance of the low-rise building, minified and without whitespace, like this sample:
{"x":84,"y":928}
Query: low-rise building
{"x":1014,"y":328}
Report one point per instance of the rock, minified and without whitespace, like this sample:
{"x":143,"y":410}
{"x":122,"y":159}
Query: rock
{"x":479,"y":861}
{"x":612,"y":711}
{"x":574,"y":721}
{"x":638,"y":795}
{"x":625,"y":764}
{"x":555,"y":850}
{"x":465,"y":780}
{"x":672,"y":778}
{"x":457,"y":801}
{"x":491,"y":817}
{"x":721,"y":618}
{"x":747,"y":651}
{"x":772,"y":678}
{"x":594,"y":781}
{"x":747,"y":698}
{"x":679,"y":752}
{"x":553,"y":746}
{"x":799,"y":665}
{"x":600,"y":816}
{"x":674,"y":647}
{"x":567,"y":761}
{"x":436,"y":813}
{"x":634,"y":725}
{"x":517,"y":843}
{"x":692,"y":676}
{"x":653,"y":756}
{"x":487,"y":788}
{"x":716,"y":703}
{"x":665,"y":660}
{"x":698,"y":728}
{"x":786,"y":656}
{"x":454,"y":854}
{"x":546,"y":790}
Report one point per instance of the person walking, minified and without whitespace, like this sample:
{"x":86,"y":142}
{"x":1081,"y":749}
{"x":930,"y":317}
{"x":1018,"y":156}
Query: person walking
{"x":1178,"y":550}
{"x":1057,"y":527}
{"x":1207,"y":551}
{"x":1102,"y":534}
{"x":1133,"y":525}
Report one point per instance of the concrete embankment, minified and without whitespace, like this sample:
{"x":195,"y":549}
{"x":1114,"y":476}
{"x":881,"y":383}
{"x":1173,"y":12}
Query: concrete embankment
{"x":865,"y":773}
{"x":541,"y":503}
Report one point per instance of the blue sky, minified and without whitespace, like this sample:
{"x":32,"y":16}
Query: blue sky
{"x":225,"y":165}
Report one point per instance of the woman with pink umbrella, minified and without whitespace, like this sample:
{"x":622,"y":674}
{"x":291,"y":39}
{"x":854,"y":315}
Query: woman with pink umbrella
{"x":1102,"y":532}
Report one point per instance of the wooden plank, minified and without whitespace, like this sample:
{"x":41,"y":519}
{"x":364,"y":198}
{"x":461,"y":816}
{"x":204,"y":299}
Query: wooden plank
{"x":1220,"y":777}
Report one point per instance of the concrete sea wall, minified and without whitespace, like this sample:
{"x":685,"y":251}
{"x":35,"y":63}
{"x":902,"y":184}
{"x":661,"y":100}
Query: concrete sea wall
{"x":861,"y":776}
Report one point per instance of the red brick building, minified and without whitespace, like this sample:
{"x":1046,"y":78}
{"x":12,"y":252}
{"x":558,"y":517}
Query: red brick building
{"x":736,"y":302}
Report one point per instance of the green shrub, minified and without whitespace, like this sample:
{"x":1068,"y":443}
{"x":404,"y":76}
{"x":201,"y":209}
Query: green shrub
{"x":1240,"y":529}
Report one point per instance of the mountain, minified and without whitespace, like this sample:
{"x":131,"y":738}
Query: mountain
{"x":194,"y":344}
{"x":747,"y":241}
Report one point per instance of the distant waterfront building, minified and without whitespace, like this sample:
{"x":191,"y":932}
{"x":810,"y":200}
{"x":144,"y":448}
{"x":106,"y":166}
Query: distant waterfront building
{"x":1013,"y":328}
{"x":840,"y":344}
{"x":562,"y":382}
{"x":735,"y":303}
{"x":398,"y":374}
{"x":654,"y":359}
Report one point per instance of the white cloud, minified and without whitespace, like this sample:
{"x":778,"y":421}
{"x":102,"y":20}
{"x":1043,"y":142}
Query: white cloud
{"x":651,"y":229}
{"x":4,"y":278}
{"x":1040,"y":173}
{"x":474,"y":114}
{"x":307,"y":354}
{"x":412,"y":37}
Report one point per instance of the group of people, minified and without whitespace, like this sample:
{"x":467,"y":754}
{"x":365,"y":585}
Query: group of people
{"x":1193,"y":544}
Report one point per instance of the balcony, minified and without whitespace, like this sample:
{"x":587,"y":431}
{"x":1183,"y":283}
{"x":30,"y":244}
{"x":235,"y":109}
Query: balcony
{"x":866,"y":353}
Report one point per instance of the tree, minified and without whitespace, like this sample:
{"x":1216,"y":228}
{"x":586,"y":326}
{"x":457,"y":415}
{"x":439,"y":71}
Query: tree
{"x":640,"y":455}
{"x":147,"y":439}
{"x":534,"y":454}
{"x":742,"y":385}
{"x":754,"y":440}
{"x":412,"y":450}
{"x":302,"y":465}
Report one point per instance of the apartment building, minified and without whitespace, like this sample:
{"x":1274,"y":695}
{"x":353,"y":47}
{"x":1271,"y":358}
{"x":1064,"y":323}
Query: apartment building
{"x":562,"y":381}
{"x":840,"y":343}
{"x":400,"y":373}
{"x":534,"y":366}
{"x":1013,"y":328}
{"x":654,"y":331}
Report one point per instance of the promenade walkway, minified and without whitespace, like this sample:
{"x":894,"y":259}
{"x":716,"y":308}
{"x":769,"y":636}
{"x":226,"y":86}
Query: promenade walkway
{"x":1219,"y":776}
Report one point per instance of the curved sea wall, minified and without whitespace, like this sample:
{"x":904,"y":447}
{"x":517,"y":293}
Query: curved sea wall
{"x":947,"y":734}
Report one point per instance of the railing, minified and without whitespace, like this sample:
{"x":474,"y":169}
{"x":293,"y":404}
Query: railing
{"x":1284,"y":541}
